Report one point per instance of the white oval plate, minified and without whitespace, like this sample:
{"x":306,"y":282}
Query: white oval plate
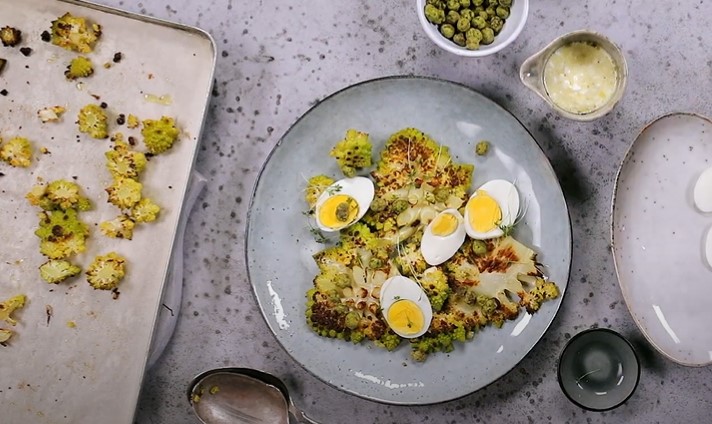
{"x":658,"y":237}
{"x":279,"y":244}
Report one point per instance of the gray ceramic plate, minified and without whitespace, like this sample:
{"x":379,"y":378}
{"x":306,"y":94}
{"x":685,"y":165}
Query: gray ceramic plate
{"x":279,"y":244}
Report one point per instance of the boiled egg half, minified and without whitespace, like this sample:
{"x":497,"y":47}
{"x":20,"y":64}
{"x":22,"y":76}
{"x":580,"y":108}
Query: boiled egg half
{"x":343,"y":203}
{"x":703,"y":191}
{"x":493,"y":205}
{"x":406,"y":307}
{"x":443,"y":236}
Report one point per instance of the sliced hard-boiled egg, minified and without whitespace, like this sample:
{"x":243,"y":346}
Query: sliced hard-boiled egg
{"x":406,"y":307}
{"x":702,"y":192}
{"x":443,"y":236}
{"x":708,"y":247}
{"x":343,"y":203}
{"x":492,"y":206}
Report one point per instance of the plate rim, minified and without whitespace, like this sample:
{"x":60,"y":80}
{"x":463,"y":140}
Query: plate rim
{"x":549,"y":169}
{"x":624,"y":291}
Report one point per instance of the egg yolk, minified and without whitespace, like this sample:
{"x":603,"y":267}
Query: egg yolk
{"x":444,"y":224}
{"x":338,"y":211}
{"x":405,"y":317}
{"x":484,"y":212}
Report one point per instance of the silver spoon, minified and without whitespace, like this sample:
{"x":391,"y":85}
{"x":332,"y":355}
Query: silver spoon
{"x":242,"y":395}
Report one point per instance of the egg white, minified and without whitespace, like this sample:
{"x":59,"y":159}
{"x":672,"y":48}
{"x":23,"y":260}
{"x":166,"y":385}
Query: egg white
{"x":507,"y":197}
{"x":703,"y":191}
{"x":361,"y":189}
{"x":399,"y":288}
{"x":438,"y":249}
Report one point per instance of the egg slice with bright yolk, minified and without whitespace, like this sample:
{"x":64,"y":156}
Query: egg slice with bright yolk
{"x":338,"y":211}
{"x":405,"y":317}
{"x":444,"y":224}
{"x":484,"y":212}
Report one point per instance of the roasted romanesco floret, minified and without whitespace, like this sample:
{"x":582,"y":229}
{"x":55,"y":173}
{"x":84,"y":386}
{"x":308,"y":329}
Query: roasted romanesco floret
{"x":79,"y":67}
{"x":122,"y":161}
{"x":17,"y":152}
{"x":54,"y":271}
{"x":132,"y":121}
{"x":74,"y":33}
{"x":59,"y":194}
{"x":442,"y":342}
{"x":10,"y":36}
{"x":61,"y":233}
{"x":107,"y":271}
{"x":120,"y":227}
{"x":435,"y":285}
{"x":541,"y":291}
{"x":9,"y":306}
{"x":145,"y":211}
{"x":315,"y":186}
{"x":124,"y":193}
{"x":159,"y":135}
{"x":92,"y":120}
{"x":353,"y":153}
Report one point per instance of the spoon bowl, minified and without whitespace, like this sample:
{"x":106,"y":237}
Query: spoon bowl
{"x":243,"y":395}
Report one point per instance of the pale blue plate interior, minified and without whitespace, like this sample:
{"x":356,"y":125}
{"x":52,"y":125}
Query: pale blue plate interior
{"x":279,"y":243}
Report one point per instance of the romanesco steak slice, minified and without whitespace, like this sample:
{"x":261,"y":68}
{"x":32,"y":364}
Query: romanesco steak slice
{"x":17,"y":152}
{"x":106,"y":271}
{"x":75,"y":33}
{"x":159,"y":135}
{"x":353,"y":153}
{"x":54,"y":271}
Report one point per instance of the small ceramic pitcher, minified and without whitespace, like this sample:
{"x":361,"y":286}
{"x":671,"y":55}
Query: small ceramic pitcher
{"x":532,"y":72}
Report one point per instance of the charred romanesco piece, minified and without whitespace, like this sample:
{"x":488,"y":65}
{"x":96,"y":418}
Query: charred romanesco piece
{"x":145,"y":211}
{"x":541,"y":291}
{"x":122,"y":161}
{"x":353,"y":153}
{"x":92,"y":120}
{"x":159,"y":135}
{"x":61,"y":234}
{"x":17,"y":152}
{"x":107,"y":271}
{"x":124,"y":193}
{"x":10,"y":36}
{"x":9,"y":306}
{"x":315,"y":186}
{"x":79,"y":67}
{"x":120,"y":227}
{"x":75,"y":33}
{"x":58,"y":195}
{"x":132,"y":121}
{"x":54,"y":271}
{"x":435,"y":285}
{"x":50,"y":113}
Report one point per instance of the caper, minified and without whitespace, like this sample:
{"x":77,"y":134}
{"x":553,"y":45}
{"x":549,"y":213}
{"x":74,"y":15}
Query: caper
{"x":467,"y":14}
{"x":496,"y":23}
{"x":479,"y":22}
{"x":434,"y":15}
{"x":479,"y":247}
{"x":463,"y":24}
{"x":464,"y":3}
{"x":459,"y":39}
{"x":453,"y":4}
{"x":452,"y":17}
{"x":502,"y":12}
{"x":487,"y":36}
{"x":447,"y":30}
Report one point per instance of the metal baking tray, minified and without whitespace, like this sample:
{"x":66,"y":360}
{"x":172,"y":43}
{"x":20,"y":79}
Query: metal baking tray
{"x":51,"y":372}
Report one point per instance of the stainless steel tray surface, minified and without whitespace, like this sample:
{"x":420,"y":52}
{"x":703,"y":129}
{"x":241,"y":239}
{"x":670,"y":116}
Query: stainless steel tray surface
{"x":52,"y":372}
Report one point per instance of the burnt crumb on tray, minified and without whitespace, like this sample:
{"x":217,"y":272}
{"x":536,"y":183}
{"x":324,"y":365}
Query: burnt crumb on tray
{"x":26,"y":51}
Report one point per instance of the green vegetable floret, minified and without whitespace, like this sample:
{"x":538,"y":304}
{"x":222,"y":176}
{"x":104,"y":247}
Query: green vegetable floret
{"x":58,"y":195}
{"x":17,"y":152}
{"x":54,"y":271}
{"x":9,"y":306}
{"x":120,"y":227}
{"x":353,"y":153}
{"x":61,"y":233}
{"x":10,"y":36}
{"x":159,"y":135}
{"x":315,"y":186}
{"x":79,"y":67}
{"x":145,"y":211}
{"x":122,"y":161}
{"x":541,"y":291}
{"x":92,"y":120}
{"x":107,"y":271}
{"x":124,"y":193}
{"x":440,"y":342}
{"x":436,"y":287}
{"x":74,"y":33}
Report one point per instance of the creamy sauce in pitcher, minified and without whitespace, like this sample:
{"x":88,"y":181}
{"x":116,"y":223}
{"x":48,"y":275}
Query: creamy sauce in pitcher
{"x":580,"y":77}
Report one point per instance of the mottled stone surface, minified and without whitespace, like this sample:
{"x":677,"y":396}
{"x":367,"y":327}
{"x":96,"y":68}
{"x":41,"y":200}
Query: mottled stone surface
{"x":276,"y":59}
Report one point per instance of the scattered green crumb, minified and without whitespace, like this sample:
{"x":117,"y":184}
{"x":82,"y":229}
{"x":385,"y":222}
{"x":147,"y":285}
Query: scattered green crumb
{"x":482,"y":148}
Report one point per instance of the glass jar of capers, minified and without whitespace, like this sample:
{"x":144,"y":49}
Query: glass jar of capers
{"x":468,"y":23}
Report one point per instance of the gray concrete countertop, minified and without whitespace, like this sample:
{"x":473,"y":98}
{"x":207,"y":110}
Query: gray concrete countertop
{"x":276,"y":59}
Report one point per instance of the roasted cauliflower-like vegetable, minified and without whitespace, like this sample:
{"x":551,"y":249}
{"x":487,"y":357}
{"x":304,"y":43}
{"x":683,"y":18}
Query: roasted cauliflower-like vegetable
{"x":315,"y":186}
{"x":353,"y":153}
{"x":58,"y":194}
{"x":11,"y":305}
{"x":435,"y":285}
{"x":122,"y":161}
{"x":79,"y":67}
{"x":124,"y":193}
{"x":54,"y":271}
{"x":120,"y":227}
{"x":107,"y":271}
{"x":10,"y":36}
{"x":132,"y":121}
{"x":61,"y":233}
{"x":75,"y":33}
{"x":92,"y":120}
{"x":145,"y":210}
{"x":17,"y":152}
{"x":50,"y":114}
{"x":159,"y":135}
